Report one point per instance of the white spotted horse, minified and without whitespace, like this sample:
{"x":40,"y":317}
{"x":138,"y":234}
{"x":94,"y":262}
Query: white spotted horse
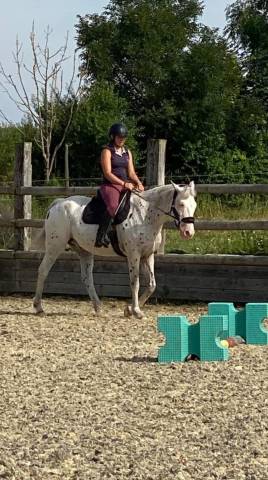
{"x":139,"y":237}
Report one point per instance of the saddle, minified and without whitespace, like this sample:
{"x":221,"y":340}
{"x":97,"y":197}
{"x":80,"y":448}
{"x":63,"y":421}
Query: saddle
{"x":95,"y":212}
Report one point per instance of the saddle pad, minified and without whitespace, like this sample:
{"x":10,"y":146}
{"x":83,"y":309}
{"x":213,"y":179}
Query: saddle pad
{"x":95,"y":210}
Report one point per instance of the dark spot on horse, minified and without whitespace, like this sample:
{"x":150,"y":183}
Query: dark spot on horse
{"x":130,"y":215}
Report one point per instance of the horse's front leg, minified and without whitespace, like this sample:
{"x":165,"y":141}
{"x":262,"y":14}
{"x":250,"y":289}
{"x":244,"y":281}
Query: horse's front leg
{"x":86,"y":263}
{"x":149,"y":266}
{"x":134,"y":277}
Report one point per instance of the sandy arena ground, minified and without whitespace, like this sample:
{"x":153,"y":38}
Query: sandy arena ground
{"x":82,"y":398}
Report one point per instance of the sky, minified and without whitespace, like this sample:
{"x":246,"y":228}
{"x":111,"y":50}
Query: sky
{"x":17,"y":17}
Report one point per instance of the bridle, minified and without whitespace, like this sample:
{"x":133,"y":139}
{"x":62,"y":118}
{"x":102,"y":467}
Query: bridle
{"x":173,"y":212}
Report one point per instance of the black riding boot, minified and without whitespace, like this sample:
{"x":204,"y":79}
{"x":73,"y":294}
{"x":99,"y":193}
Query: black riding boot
{"x":102,"y":239}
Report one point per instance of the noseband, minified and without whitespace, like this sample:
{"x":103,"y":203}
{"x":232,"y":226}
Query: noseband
{"x":175,"y":214}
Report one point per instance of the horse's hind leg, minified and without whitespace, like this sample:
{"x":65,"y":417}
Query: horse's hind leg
{"x":86,"y":263}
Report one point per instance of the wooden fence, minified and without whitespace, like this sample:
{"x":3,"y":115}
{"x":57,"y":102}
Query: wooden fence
{"x":192,"y":277}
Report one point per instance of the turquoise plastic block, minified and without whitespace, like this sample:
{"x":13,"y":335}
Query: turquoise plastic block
{"x":257,"y":334}
{"x":213,"y":328}
{"x":237,"y":318}
{"x":201,"y":339}
{"x":245,"y":322}
{"x":175,"y":328}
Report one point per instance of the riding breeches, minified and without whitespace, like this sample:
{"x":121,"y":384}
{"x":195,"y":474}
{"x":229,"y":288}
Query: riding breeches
{"x":110,"y":193}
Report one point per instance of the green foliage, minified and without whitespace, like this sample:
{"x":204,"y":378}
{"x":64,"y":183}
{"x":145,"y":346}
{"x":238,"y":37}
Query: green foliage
{"x":247,"y":27}
{"x":9,"y":137}
{"x":135,"y":45}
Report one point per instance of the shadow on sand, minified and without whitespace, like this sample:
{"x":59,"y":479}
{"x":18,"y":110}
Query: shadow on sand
{"x":137,"y":359}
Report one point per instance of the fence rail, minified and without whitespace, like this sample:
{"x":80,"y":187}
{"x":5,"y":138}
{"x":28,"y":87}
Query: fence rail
{"x":218,"y":225}
{"x":218,"y":189}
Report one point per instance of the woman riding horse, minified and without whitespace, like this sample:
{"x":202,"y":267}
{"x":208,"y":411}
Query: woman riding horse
{"x":118,"y":175}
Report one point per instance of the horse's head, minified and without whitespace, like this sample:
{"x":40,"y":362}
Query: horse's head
{"x":183,"y":208}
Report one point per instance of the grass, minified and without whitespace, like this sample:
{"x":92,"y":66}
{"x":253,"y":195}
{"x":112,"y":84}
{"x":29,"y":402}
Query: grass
{"x":244,"y":207}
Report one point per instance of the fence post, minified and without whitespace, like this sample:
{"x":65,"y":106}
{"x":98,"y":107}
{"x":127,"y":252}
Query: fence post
{"x":23,"y":203}
{"x":155,"y":171}
{"x":156,"y":160}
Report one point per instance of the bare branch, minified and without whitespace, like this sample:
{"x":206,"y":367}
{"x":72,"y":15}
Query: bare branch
{"x":46,"y":73}
{"x":11,"y":123}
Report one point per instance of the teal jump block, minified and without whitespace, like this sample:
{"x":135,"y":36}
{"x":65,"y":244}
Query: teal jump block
{"x":201,"y":339}
{"x":246,"y":322}
{"x":256,"y":313}
{"x":236,"y":318}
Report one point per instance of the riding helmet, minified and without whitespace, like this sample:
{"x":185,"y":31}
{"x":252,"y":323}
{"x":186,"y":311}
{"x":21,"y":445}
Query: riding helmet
{"x":118,"y":129}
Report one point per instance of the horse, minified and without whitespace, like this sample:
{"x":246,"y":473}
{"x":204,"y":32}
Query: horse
{"x":139,"y":237}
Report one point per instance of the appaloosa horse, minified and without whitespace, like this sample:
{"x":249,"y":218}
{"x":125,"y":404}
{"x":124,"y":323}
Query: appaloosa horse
{"x":139,"y":237}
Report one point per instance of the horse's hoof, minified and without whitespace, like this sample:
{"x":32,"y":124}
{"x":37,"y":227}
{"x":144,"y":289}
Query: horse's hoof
{"x":38,"y":308}
{"x":128,"y":311}
{"x":97,"y":308}
{"x":39,"y":311}
{"x":138,"y":314}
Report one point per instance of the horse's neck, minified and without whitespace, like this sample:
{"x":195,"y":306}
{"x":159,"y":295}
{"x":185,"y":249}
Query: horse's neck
{"x":158,"y":200}
{"x":160,"y":197}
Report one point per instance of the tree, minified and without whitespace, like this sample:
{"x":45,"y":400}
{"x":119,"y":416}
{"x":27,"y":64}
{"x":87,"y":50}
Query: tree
{"x":179,"y":78}
{"x":247,"y":28}
{"x":40,"y":109}
{"x":135,"y":45}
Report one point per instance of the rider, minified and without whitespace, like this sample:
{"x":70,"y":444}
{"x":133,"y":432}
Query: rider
{"x":118,"y":175}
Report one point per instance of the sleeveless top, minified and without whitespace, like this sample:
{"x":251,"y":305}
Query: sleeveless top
{"x":119,"y":163}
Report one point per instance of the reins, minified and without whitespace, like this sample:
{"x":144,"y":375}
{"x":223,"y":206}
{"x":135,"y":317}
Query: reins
{"x":173,"y":212}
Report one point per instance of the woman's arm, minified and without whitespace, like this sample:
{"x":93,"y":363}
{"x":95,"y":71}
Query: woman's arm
{"x":132,"y":174}
{"x":106,"y":166}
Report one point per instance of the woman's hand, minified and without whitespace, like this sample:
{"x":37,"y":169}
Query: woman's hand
{"x":140,"y":187}
{"x":129,"y":186}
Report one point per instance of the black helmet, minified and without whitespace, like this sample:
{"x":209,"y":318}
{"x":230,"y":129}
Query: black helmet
{"x":118,"y":129}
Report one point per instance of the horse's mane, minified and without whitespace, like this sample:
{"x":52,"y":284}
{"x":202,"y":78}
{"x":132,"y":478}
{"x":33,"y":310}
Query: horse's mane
{"x":157,"y":192}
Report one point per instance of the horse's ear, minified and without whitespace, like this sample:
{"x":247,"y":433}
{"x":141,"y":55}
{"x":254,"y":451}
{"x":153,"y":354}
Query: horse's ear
{"x":192,"y":188}
{"x":179,"y":188}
